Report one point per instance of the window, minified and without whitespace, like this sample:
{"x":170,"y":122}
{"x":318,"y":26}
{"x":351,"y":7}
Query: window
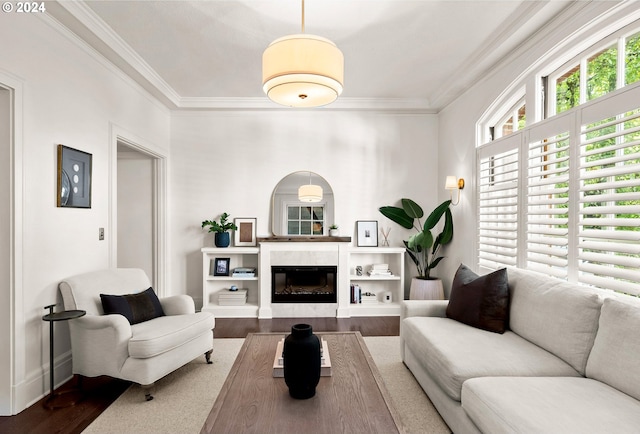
{"x":609,"y":210}
{"x":562,"y":196}
{"x":594,"y":74}
{"x":305,"y":220}
{"x":514,"y":120}
{"x":498,"y":204}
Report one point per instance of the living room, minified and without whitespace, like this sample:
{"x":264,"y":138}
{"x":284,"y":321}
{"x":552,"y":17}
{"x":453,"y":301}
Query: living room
{"x":224,"y":159}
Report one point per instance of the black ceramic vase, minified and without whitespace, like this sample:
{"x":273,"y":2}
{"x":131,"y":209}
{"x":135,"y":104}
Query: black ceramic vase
{"x":301,"y":356}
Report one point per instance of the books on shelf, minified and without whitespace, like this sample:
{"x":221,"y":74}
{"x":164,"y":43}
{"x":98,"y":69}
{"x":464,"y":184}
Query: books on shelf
{"x":325,"y":360}
{"x":227,"y":297}
{"x":244,"y":272}
{"x":379,"y":270}
{"x":358,"y":296}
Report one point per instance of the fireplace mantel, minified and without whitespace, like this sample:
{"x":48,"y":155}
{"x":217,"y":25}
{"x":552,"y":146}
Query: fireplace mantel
{"x":304,"y":239}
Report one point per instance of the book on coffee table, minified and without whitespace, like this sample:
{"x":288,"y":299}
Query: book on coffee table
{"x":325,"y":361}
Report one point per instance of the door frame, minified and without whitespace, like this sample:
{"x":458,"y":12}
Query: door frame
{"x":12,"y":312}
{"x":159,"y":206}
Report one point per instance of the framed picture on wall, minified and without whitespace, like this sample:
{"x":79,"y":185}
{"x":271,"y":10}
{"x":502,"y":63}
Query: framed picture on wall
{"x":221,"y":266}
{"x":367,"y":233}
{"x":74,"y":178}
{"x":245,"y":235}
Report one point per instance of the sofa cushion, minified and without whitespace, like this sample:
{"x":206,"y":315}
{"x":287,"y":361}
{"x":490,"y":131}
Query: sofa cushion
{"x":549,"y":405}
{"x":136,"y":308}
{"x":615,"y":355}
{"x":480,"y":301}
{"x":558,"y":316}
{"x":165,"y":333}
{"x":452,"y":352}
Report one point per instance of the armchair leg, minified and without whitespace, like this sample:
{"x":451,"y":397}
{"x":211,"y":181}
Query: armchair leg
{"x":147,"y":391}
{"x":207,"y":357}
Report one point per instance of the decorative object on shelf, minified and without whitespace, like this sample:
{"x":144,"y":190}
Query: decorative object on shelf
{"x":385,"y":236}
{"x":64,"y":315}
{"x":302,"y":70}
{"x":387,"y":297}
{"x":422,"y":247}
{"x":245,"y":234}
{"x":333,"y":230}
{"x":452,"y":183}
{"x":244,"y":272}
{"x":220,"y":230}
{"x":367,"y":233}
{"x":310,"y":192}
{"x":359,"y":270}
{"x":74,"y":178}
{"x":221,"y":266}
{"x":302,"y":361}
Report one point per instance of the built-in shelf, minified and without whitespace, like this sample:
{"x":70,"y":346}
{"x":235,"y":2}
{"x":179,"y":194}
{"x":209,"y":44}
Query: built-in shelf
{"x":275,"y":251}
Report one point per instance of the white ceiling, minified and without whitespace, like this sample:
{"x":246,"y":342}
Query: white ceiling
{"x":418,"y":54}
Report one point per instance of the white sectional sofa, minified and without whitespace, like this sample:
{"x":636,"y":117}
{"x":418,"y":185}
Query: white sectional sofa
{"x":569,"y":361}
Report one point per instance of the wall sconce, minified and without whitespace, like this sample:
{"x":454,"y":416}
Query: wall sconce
{"x":452,"y":183}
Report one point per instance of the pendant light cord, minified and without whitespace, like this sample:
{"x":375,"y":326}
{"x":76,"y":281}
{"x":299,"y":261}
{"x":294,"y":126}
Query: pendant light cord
{"x":302,"y":16}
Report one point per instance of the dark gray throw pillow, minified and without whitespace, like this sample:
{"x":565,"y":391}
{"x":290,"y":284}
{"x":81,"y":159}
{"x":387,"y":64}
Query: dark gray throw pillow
{"x":480,"y":301}
{"x":137,"y":308}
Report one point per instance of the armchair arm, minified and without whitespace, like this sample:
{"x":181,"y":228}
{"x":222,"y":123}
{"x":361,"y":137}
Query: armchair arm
{"x":99,"y":344}
{"x":178,"y":305}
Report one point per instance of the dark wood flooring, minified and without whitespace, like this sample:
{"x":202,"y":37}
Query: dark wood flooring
{"x":100,"y":392}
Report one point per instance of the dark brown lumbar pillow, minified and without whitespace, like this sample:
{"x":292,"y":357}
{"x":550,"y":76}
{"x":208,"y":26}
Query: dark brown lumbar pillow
{"x":480,"y":301}
{"x":137,"y":308}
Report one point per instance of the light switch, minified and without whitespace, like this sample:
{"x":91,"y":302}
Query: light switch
{"x":101,"y":234}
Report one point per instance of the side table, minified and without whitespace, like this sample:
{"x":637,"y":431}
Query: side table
{"x":64,"y":315}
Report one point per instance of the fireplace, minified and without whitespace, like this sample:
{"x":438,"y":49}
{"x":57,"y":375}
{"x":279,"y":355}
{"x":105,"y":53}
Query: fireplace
{"x":304,"y":284}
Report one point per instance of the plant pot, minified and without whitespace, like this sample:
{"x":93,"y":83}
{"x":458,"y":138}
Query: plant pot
{"x":426,"y":289}
{"x":301,"y":357}
{"x":222,"y":239}
{"x":333,"y":232}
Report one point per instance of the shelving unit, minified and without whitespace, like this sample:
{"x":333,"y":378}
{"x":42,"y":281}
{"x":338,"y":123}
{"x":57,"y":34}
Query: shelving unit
{"x":366,"y":257}
{"x":213,"y":285}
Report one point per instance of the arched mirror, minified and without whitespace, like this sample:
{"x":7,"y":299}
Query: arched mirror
{"x":306,"y":211}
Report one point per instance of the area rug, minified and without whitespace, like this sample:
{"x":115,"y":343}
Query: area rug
{"x":183,"y":399}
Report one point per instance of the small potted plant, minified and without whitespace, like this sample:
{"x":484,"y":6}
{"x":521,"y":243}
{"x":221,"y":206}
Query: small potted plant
{"x":221,"y":236}
{"x":333,"y":230}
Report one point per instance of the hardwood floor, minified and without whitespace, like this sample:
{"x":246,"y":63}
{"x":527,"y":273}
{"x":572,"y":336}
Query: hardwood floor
{"x":100,"y":392}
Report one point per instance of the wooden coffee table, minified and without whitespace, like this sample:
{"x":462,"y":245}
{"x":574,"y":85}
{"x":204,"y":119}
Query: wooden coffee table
{"x":354,"y":399}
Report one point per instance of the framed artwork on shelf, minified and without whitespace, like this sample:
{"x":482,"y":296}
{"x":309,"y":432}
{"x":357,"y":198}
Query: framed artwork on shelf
{"x":245,"y":235}
{"x":74,"y":178}
{"x":221,"y":266}
{"x":367,"y":233}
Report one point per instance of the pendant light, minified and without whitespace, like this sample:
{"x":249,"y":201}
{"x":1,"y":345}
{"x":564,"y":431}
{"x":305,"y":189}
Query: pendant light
{"x":302,"y":70}
{"x":310,"y":192}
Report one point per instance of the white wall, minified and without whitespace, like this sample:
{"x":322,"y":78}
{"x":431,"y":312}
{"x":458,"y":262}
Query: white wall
{"x":5,"y":245}
{"x":232,"y":161}
{"x":72,"y":99}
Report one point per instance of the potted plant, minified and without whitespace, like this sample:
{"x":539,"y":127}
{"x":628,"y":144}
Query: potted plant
{"x":221,"y":236}
{"x":333,"y":230}
{"x":423,"y":247}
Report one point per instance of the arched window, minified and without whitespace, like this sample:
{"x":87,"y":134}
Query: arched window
{"x":562,"y":195}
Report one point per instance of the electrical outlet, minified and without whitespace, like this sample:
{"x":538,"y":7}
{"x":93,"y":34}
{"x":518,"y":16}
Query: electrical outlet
{"x":101,"y":234}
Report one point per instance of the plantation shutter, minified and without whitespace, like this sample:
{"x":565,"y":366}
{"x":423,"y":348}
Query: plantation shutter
{"x":548,"y":205}
{"x":609,"y":211}
{"x":498,"y":202}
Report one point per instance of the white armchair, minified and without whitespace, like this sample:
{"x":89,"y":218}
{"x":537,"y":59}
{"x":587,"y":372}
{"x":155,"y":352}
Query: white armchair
{"x":143,"y":352}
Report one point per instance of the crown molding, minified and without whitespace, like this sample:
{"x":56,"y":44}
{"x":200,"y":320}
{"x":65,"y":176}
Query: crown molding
{"x":263,"y":103}
{"x":87,"y":17}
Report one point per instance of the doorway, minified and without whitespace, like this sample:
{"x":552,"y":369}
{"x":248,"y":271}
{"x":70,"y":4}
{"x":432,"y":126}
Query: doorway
{"x":140,"y":214}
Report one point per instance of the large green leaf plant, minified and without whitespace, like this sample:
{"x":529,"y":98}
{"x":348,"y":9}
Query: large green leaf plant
{"x":422,"y":247}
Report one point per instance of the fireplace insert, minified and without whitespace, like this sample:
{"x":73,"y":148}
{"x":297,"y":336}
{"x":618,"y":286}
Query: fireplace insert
{"x":304,"y":284}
